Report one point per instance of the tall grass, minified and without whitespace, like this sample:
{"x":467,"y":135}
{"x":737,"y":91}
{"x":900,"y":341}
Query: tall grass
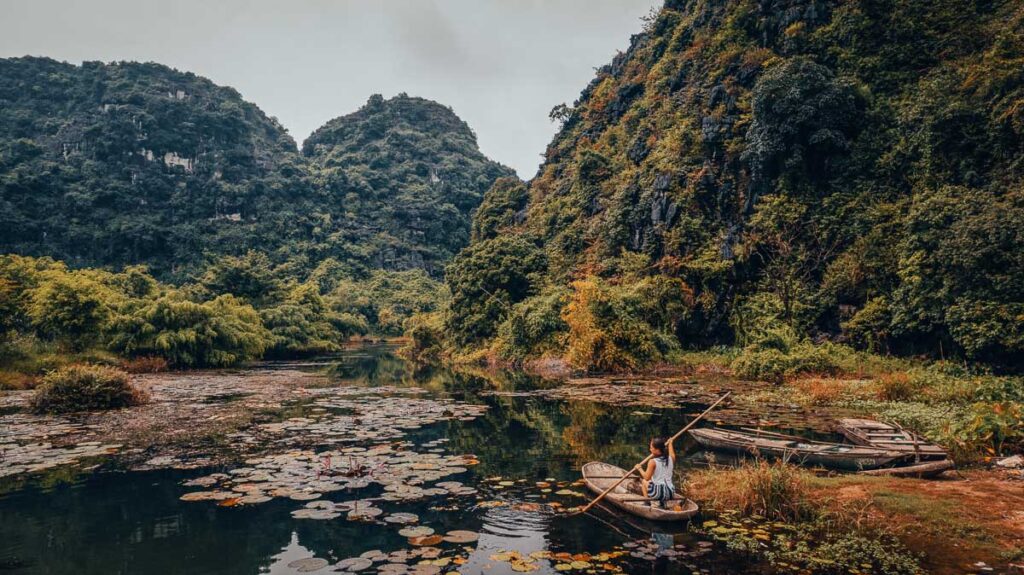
{"x":776,"y":490}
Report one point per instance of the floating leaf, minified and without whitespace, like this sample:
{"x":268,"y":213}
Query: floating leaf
{"x":425,"y":540}
{"x":461,"y":537}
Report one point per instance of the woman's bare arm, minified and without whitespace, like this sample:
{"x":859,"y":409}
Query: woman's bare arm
{"x":648,"y":473}
{"x":671,"y":452}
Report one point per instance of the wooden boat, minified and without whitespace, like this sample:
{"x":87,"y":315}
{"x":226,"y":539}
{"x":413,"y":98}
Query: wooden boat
{"x":627,"y":497}
{"x":891,"y":437}
{"x":798,"y":450}
{"x":922,"y":470}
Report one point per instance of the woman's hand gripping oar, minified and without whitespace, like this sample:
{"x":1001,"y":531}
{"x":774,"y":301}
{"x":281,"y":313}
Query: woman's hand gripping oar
{"x":638,"y":466}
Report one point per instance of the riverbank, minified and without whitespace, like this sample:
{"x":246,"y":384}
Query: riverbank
{"x":962,"y":523}
{"x":215,"y":418}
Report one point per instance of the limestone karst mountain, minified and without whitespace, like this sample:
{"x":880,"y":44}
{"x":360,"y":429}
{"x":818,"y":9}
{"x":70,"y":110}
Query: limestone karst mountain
{"x":126,"y":163}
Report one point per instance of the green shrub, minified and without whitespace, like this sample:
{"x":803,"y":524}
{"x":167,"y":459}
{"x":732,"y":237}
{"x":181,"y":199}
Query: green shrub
{"x":775,"y":365}
{"x":995,"y":428}
{"x":426,"y":337}
{"x":534,"y":327}
{"x":216,"y":333}
{"x":85,"y":387}
{"x":486,"y":279}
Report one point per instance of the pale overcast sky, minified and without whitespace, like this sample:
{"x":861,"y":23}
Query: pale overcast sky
{"x":501,"y":64}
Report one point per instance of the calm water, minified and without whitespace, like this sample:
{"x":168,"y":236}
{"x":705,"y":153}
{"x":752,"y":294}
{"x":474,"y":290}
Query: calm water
{"x":126,"y":522}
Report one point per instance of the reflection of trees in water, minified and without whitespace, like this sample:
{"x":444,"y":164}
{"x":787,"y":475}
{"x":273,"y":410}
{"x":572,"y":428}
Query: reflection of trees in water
{"x":517,"y":436}
{"x":521,"y":433}
{"x":616,"y":435}
{"x":134,"y":523}
{"x":371,"y":366}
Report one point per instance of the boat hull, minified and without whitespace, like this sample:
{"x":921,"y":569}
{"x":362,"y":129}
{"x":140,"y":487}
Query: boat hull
{"x":600,"y":476}
{"x":833,"y":456}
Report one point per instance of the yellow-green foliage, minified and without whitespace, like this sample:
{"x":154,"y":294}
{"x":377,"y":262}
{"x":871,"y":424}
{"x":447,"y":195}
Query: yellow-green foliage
{"x":85,"y":387}
{"x":534,"y":327}
{"x":623,"y":327}
{"x":303,"y":324}
{"x":387,"y":299}
{"x":71,"y":307}
{"x":220,"y":332}
{"x":426,"y":337}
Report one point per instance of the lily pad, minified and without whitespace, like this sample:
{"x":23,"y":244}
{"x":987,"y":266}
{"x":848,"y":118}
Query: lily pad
{"x":425,"y":540}
{"x":417,"y":531}
{"x":309,"y":564}
{"x":461,"y":537}
{"x":354,"y":564}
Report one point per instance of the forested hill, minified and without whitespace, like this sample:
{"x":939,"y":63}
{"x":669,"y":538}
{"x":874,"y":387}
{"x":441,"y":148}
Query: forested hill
{"x":771,"y":174}
{"x":125,"y":163}
{"x":111,"y":164}
{"x":408,"y":174}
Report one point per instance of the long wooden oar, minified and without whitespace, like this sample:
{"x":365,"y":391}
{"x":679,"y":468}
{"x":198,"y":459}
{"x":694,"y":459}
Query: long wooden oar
{"x":646,"y":459}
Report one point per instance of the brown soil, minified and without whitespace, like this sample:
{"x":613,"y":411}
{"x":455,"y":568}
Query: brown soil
{"x":956,"y":521}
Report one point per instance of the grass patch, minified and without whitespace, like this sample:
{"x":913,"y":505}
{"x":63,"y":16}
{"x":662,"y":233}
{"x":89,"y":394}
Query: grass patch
{"x":85,"y":387}
{"x":776,"y":491}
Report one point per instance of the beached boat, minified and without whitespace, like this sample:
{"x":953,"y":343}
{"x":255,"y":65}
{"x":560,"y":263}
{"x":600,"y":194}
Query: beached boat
{"x":922,"y":470}
{"x":627,"y":497}
{"x":797,"y":450}
{"x":893,"y":438}
{"x":925,"y":459}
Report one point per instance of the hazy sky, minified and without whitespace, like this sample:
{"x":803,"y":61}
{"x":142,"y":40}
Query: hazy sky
{"x":501,"y":64}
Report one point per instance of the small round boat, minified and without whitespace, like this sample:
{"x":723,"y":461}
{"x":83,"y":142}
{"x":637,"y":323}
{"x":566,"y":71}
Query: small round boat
{"x":627,"y":497}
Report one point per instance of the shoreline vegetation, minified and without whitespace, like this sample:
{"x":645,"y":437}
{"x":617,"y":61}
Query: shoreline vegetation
{"x":820,"y":202}
{"x":238,"y":309}
{"x":799,"y":519}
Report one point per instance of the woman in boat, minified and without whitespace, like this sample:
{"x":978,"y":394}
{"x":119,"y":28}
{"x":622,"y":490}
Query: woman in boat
{"x":657,"y":477}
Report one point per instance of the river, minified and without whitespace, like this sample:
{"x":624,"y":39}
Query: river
{"x":514,"y":455}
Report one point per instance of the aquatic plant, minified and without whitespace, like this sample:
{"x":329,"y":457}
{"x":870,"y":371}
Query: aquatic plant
{"x":85,"y":387}
{"x":774,"y":490}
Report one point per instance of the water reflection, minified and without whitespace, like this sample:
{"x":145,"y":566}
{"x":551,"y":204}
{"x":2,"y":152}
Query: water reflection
{"x":133,"y":522}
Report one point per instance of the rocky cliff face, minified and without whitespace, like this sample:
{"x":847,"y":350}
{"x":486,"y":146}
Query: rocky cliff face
{"x":408,"y":173}
{"x":801,"y":163}
{"x":132,"y":163}
{"x":125,"y":163}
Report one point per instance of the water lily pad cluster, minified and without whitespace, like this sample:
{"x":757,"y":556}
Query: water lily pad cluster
{"x":27,"y":443}
{"x":307,"y":475}
{"x":417,"y":560}
{"x":754,"y":403}
{"x":341,"y":415}
{"x":620,"y":393}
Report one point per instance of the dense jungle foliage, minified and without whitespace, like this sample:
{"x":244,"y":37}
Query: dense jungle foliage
{"x":406,"y":174}
{"x":240,"y":308}
{"x":128,"y":164}
{"x":770,"y":175}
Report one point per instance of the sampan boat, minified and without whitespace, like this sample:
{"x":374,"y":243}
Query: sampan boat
{"x":796,"y":450}
{"x":627,"y":496}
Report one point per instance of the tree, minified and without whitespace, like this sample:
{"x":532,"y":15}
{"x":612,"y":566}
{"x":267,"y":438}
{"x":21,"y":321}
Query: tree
{"x":251,"y":277}
{"x":221,"y":332}
{"x":502,"y":206}
{"x":486,"y":279}
{"x":71,"y":308}
{"x":304,"y":324}
{"x":802,"y":116}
